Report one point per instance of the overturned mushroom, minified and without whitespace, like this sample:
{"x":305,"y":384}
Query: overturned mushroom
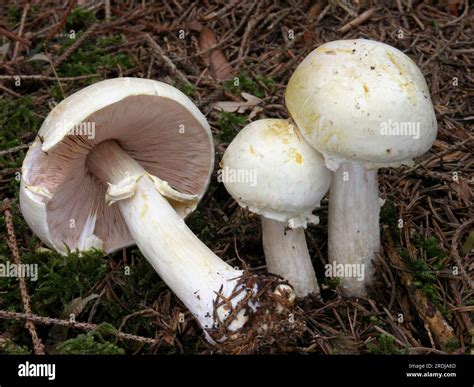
{"x":271,"y":170}
{"x":131,"y":180}
{"x":364,"y":105}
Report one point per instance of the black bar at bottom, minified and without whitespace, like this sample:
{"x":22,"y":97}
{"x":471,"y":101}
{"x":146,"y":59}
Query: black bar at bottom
{"x":163,"y":370}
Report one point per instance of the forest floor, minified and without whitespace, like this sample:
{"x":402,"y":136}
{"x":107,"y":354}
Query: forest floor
{"x":422,"y":299}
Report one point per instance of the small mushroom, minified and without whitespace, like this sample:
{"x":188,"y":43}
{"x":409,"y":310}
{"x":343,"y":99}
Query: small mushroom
{"x":270,"y":169}
{"x":364,"y":105}
{"x":132,"y":180}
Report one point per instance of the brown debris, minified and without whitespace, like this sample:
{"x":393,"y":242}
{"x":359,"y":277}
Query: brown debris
{"x":267,"y":330}
{"x":362,"y":18}
{"x":213,"y":57}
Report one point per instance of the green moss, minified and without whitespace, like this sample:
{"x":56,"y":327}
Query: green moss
{"x":266,"y":84}
{"x":56,"y":93}
{"x":186,"y":88}
{"x":229,"y":125}
{"x":133,"y":287}
{"x":425,"y":270}
{"x":376,"y":321}
{"x":8,"y":347}
{"x":258,"y":86}
{"x":452,"y":345}
{"x":432,"y":248}
{"x":385,"y":345}
{"x":92,"y":343}
{"x":79,"y":19}
{"x":16,"y":118}
{"x":64,"y":278}
{"x":92,"y":57}
{"x":142,"y":281}
{"x":13,"y":14}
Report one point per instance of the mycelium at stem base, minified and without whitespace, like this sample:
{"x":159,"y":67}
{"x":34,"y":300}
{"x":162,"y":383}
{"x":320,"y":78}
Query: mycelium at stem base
{"x":354,"y":234}
{"x":287,"y":255}
{"x":191,"y":270}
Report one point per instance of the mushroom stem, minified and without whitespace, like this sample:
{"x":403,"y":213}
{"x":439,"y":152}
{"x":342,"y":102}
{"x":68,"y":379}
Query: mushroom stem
{"x":191,"y":270}
{"x":354,"y":234}
{"x":287,"y":255}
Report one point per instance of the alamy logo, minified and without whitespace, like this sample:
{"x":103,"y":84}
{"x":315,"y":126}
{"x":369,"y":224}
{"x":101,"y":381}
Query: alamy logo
{"x":85,"y":128}
{"x":22,"y":270}
{"x":403,"y":128}
{"x":37,"y":370}
{"x":229,"y":175}
{"x":345,"y":270}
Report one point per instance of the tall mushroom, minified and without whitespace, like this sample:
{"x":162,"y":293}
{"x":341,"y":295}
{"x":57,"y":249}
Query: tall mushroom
{"x":271,"y":170}
{"x":144,"y":166}
{"x":364,"y":105}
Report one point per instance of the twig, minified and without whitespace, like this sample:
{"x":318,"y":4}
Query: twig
{"x":400,"y":11}
{"x":25,"y":298}
{"x":107,"y":10}
{"x":222,"y":11}
{"x":53,"y":67}
{"x":9,"y":91}
{"x":14,"y":149}
{"x":61,"y":23}
{"x":167,"y":61}
{"x":441,"y":49}
{"x":74,"y":46}
{"x":362,"y":18}
{"x":12,"y":36}
{"x":20,"y":31}
{"x":70,"y":324}
{"x":463,"y":15}
{"x":252,"y":23}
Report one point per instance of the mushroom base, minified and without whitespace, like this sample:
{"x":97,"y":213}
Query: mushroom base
{"x":273,"y":326}
{"x":287,"y":255}
{"x":354,"y":233}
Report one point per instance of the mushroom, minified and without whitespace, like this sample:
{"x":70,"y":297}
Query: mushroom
{"x":132,"y":180}
{"x":271,"y":170}
{"x":364,"y":105}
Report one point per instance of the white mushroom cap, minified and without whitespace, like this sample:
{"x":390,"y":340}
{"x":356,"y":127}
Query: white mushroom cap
{"x":271,"y":170}
{"x":64,"y":204}
{"x":346,"y":95}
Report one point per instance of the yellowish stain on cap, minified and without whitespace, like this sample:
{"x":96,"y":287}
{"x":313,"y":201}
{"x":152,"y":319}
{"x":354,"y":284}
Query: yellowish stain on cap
{"x":296,"y":156}
{"x":392,"y":59}
{"x":406,"y":85}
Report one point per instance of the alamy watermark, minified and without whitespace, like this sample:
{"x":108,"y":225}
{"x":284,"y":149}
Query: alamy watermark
{"x":345,"y":270}
{"x":85,"y":128}
{"x":33,"y":370}
{"x":230,"y":175}
{"x":400,"y":128}
{"x":22,"y":270}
